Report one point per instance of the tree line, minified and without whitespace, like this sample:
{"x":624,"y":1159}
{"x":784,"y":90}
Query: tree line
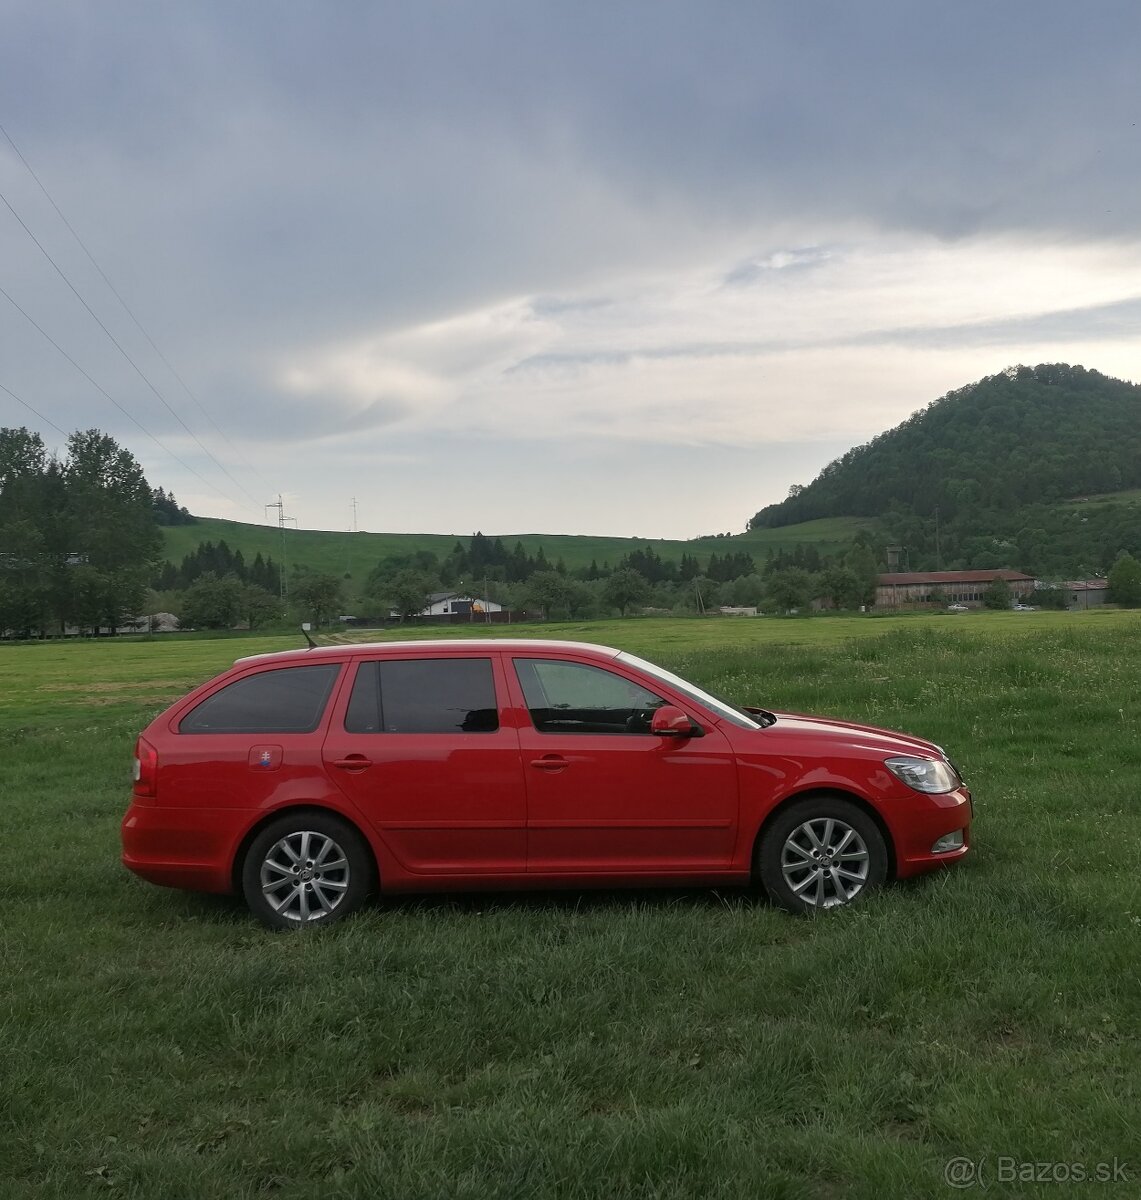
{"x":78,"y":534}
{"x":218,"y":560}
{"x":642,"y":579}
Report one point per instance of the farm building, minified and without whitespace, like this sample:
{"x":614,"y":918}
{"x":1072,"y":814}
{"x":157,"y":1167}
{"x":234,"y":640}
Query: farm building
{"x":1083,"y":593}
{"x":452,"y":607}
{"x":445,"y":604}
{"x":905,"y":589}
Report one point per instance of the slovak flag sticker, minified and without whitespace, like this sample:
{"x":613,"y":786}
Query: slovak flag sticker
{"x":265,"y":758}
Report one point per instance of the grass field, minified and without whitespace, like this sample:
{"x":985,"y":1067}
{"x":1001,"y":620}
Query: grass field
{"x":662,"y":1044}
{"x":357,"y":553}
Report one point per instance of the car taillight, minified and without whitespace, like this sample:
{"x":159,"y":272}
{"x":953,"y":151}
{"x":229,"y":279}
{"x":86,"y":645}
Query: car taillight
{"x":146,"y":770}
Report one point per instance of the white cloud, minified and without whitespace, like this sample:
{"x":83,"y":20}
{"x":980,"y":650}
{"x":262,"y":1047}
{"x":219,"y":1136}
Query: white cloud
{"x":819,"y":343}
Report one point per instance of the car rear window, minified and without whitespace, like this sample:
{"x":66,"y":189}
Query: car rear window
{"x":289,"y":700}
{"x":423,"y":695}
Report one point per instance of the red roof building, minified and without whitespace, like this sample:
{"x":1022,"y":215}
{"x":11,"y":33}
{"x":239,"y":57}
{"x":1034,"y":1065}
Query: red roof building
{"x":904,"y":589}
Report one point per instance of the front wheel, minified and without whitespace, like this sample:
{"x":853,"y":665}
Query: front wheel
{"x":821,"y":853}
{"x":306,"y":869}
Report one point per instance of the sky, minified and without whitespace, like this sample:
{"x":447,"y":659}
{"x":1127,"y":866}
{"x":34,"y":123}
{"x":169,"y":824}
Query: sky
{"x":566,"y":266}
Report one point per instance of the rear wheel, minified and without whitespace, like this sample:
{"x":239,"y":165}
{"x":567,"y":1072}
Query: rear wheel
{"x":821,"y":853}
{"x":306,"y":869}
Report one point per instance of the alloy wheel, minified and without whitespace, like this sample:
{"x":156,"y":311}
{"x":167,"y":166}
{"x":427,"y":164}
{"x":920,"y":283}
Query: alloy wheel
{"x":825,"y":862}
{"x":304,"y":876}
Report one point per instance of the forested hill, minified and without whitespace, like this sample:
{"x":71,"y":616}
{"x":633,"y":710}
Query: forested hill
{"x":1025,"y":437}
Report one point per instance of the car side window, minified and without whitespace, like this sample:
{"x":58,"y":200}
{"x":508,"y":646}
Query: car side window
{"x":423,"y":695}
{"x":568,"y":697}
{"x":289,"y":700}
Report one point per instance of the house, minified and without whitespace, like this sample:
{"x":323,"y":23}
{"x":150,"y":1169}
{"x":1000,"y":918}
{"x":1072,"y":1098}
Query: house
{"x":458,"y":606}
{"x":907,"y":589}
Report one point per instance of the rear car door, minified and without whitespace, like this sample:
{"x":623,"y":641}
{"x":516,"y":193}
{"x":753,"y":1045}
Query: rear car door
{"x":418,"y":746}
{"x":605,"y":795}
{"x":252,"y":743}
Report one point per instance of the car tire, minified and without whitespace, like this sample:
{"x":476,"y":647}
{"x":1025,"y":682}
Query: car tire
{"x":306,"y":869}
{"x":821,"y":853}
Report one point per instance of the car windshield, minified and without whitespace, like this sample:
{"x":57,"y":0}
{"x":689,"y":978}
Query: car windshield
{"x":723,"y":708}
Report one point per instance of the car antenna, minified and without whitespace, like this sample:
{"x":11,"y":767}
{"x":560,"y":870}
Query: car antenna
{"x":312,"y":643}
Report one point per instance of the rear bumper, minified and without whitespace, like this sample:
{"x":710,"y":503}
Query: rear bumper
{"x":918,"y":824}
{"x":183,"y":848}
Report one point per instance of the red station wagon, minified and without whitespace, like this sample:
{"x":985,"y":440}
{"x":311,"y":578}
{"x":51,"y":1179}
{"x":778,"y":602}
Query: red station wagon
{"x":310,"y":779}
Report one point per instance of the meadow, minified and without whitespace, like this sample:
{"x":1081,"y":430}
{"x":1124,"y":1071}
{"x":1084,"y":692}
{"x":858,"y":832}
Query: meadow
{"x":667,"y":1044}
{"x":355,"y":554}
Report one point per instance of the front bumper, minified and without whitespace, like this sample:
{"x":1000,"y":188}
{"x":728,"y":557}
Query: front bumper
{"x":921,"y":822}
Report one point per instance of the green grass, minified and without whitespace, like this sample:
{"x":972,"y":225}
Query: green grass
{"x":667,"y":1044}
{"x":357,"y":553}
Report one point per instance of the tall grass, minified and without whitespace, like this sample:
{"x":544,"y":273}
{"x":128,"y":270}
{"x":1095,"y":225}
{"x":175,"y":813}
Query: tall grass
{"x":658,"y":1044}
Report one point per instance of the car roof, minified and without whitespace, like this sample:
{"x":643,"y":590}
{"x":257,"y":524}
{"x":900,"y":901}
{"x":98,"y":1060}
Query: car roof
{"x":480,"y":645}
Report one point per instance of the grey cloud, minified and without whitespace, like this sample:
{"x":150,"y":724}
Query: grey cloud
{"x":260,"y":177}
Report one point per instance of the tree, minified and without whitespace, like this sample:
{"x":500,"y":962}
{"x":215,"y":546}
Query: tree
{"x":258,"y":605}
{"x":407,"y":592}
{"x":546,"y":590}
{"x":1125,"y":581}
{"x":109,"y":520}
{"x":21,"y":609}
{"x":77,"y":538}
{"x":624,"y":588}
{"x":1050,"y":597}
{"x":997,"y":594}
{"x":316,"y":593}
{"x":861,"y":561}
{"x":843,"y":587}
{"x":579,"y":599}
{"x":788,"y":589}
{"x":110,"y":503}
{"x":746,"y":591}
{"x":167,"y":511}
{"x":212,"y":603}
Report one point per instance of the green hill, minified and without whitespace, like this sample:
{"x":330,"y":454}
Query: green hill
{"x":356,"y":554}
{"x":990,"y":475}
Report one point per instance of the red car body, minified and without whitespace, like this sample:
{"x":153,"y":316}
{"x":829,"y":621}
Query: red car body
{"x":523,"y":795}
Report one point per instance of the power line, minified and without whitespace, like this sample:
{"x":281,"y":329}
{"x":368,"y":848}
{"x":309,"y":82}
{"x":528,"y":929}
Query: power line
{"x":21,"y":400}
{"x":283,"y":585}
{"x":138,"y":324}
{"x":103,"y":391}
{"x":115,"y":342}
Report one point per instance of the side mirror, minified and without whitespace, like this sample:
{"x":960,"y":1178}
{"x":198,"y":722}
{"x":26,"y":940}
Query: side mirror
{"x":672,"y":722}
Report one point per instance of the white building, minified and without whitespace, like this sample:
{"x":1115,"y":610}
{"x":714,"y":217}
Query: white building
{"x":447,"y":604}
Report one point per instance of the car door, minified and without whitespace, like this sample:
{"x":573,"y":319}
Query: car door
{"x":252,"y":742}
{"x":418,"y":746}
{"x":604,"y":794}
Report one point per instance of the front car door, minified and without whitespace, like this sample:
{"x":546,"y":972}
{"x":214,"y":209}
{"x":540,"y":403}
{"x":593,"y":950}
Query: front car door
{"x":605,"y":796}
{"x":418,"y":745}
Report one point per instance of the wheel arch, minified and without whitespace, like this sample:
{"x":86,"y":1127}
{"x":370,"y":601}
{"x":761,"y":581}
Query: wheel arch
{"x":828,"y":793}
{"x":293,"y":809}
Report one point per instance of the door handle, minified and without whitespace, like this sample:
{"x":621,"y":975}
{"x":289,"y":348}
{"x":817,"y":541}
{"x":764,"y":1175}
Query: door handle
{"x":552,"y":762}
{"x":352,"y":762}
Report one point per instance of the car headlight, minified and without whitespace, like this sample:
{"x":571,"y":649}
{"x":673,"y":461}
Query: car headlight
{"x":930,"y":775}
